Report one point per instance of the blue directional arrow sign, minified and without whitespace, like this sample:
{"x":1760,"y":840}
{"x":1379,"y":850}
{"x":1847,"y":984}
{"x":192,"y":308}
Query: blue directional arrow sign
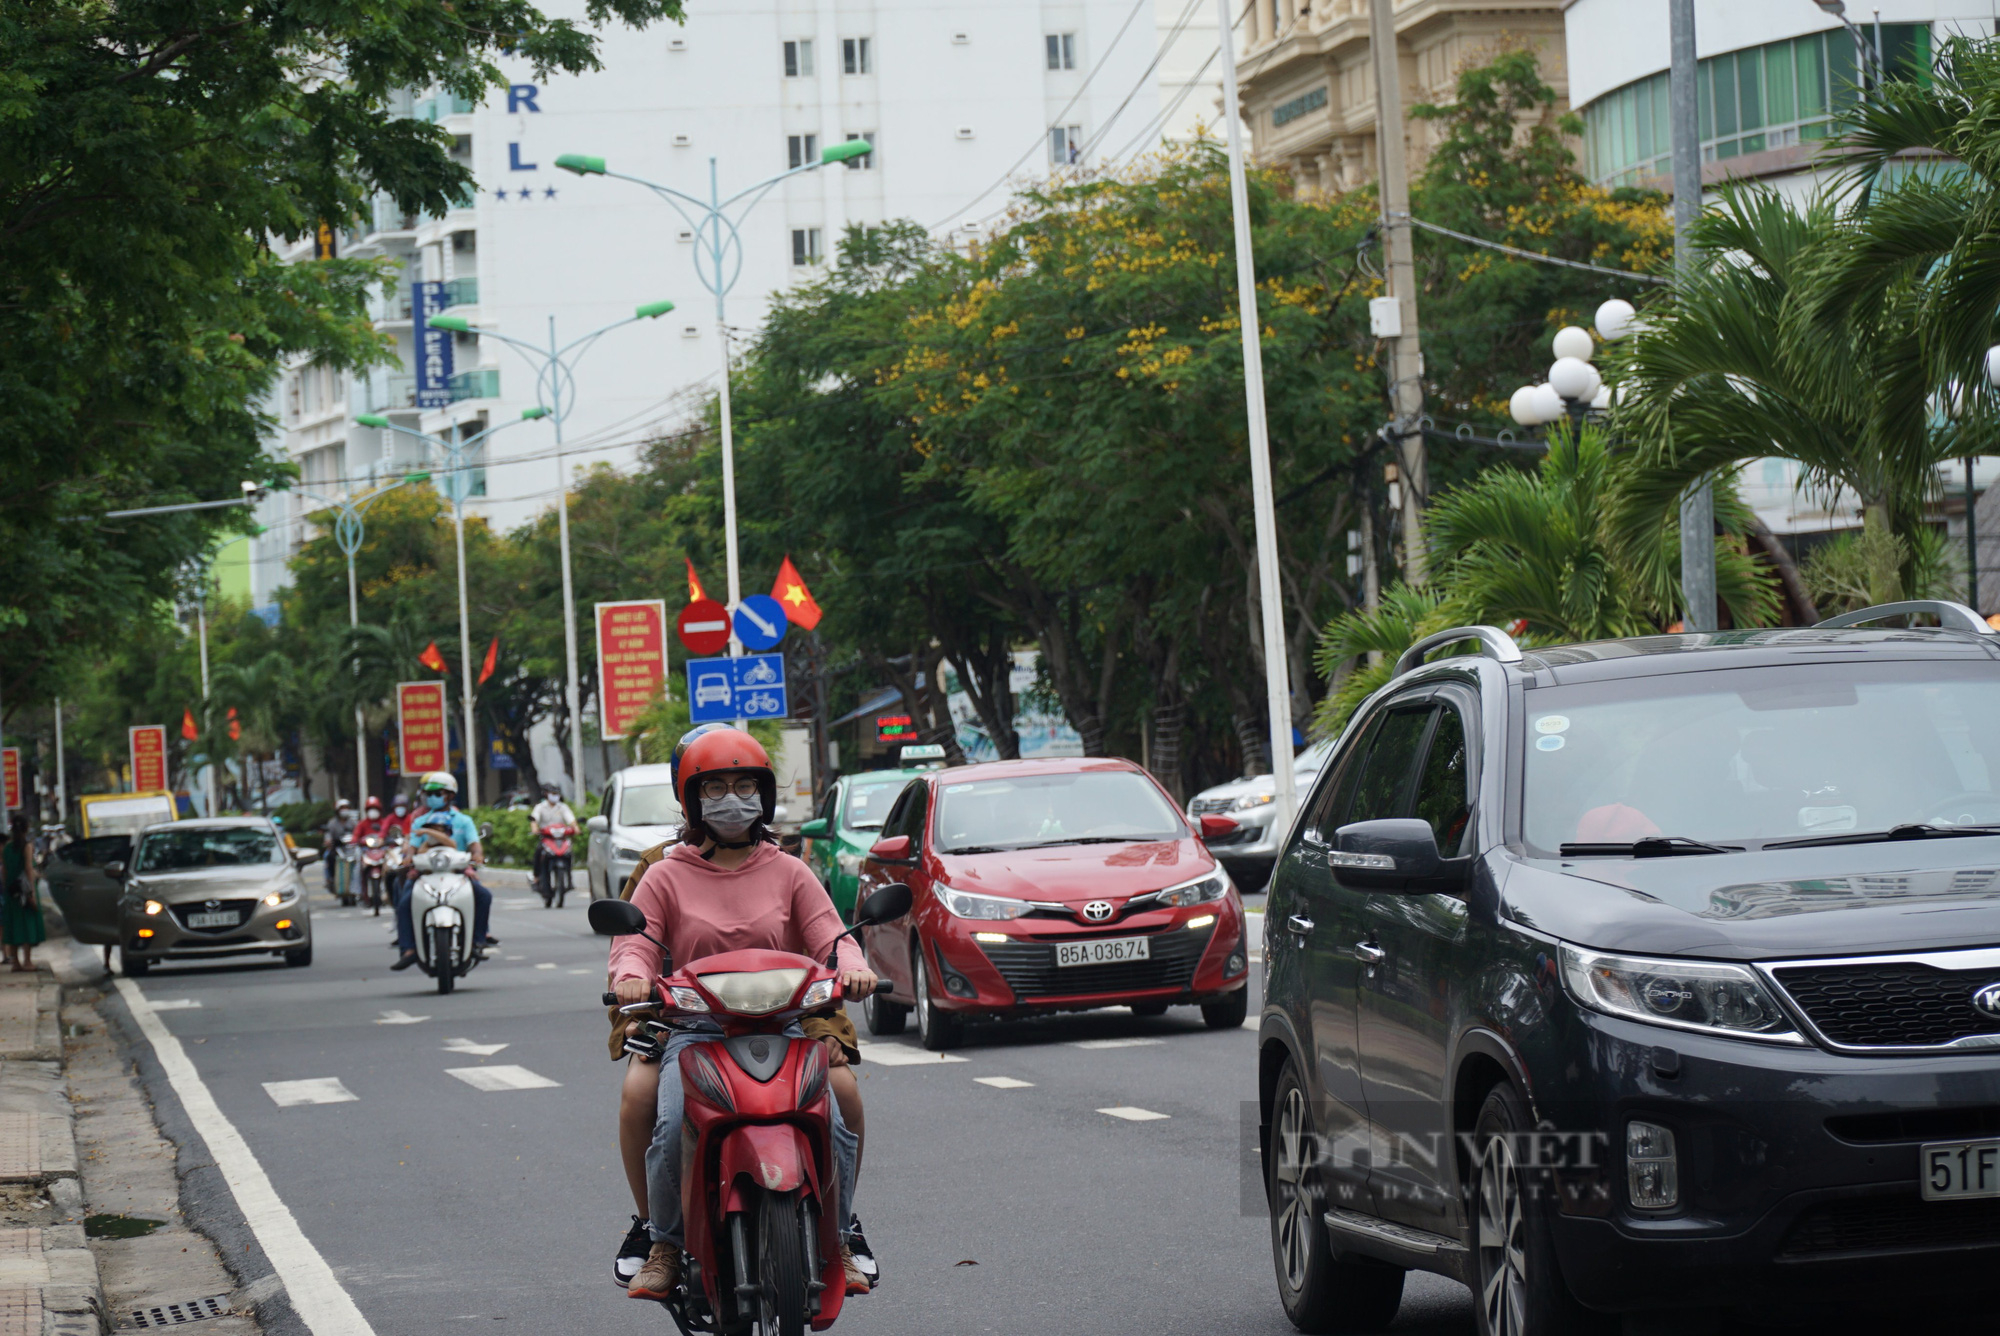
{"x":760,"y":622}
{"x":752,"y":687}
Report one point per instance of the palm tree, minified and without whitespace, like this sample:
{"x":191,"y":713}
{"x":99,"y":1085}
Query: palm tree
{"x":1740,"y":361}
{"x":265,"y":694}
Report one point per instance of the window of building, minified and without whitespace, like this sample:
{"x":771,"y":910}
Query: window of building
{"x":867,"y":160}
{"x":798,"y":60}
{"x":1065,"y":144}
{"x":805,"y":245}
{"x":1062,"y":50}
{"x":856,"y":56}
{"x":801,"y":149}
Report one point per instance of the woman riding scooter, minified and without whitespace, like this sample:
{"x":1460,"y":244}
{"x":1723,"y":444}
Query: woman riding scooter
{"x":724,"y":887}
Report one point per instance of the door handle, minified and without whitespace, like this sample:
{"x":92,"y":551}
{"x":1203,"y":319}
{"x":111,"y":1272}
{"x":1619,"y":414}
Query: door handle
{"x":1299,"y":924}
{"x":1370,"y":952}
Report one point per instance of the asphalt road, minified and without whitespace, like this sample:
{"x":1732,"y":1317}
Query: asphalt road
{"x":1015,"y":1209}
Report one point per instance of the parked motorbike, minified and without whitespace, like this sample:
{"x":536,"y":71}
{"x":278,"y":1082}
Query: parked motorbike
{"x":760,"y":1183}
{"x":557,"y":864}
{"x":441,"y":910}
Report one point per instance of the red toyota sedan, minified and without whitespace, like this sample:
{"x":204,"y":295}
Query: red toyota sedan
{"x":1044,"y":886}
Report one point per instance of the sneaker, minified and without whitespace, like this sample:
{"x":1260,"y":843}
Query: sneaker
{"x":661,"y":1273}
{"x":632,"y":1253}
{"x":857,"y":1280}
{"x":864,"y":1256}
{"x":409,"y":958}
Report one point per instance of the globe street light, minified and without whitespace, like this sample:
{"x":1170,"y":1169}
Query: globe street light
{"x":718,"y":262}
{"x":1575,"y":385}
{"x":454,"y":452}
{"x":555,"y":395}
{"x":348,"y":532}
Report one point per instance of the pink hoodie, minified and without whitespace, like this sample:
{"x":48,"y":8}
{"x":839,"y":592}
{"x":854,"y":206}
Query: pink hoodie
{"x":699,"y":909}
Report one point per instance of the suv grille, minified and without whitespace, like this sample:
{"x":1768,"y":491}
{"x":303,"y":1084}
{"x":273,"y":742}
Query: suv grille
{"x":1211,"y":806}
{"x":1892,"y":1224}
{"x":241,"y":908}
{"x":1891,"y":1004}
{"x":1030,"y":967}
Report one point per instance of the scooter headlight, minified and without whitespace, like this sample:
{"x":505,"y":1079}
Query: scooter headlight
{"x":820,"y":993}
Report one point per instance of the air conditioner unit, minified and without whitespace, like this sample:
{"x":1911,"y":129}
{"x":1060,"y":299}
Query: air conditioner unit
{"x":961,"y":38}
{"x":682,"y":141}
{"x":685,"y":234}
{"x":965,"y":132}
{"x":690,"y":331}
{"x":677,"y":44}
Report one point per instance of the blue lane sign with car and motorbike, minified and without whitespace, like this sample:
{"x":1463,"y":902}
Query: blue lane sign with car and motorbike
{"x":752,"y":687}
{"x":761,"y":622}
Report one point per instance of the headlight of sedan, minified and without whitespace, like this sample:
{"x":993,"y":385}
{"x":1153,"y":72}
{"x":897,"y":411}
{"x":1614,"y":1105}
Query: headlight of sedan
{"x":155,"y":907}
{"x":1250,"y":800}
{"x":1703,"y":995}
{"x":1200,"y":891}
{"x":283,"y":895}
{"x":967,"y":905}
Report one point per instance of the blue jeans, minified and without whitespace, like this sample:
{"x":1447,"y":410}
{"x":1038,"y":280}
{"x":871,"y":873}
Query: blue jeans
{"x":406,"y":929}
{"x":663,"y":1157}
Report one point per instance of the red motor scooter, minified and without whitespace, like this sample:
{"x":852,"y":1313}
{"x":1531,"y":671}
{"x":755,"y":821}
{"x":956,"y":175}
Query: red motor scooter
{"x":760,"y":1187}
{"x":556,"y":865}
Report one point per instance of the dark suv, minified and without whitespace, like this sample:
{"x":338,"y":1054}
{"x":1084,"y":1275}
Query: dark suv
{"x":1644,"y":975}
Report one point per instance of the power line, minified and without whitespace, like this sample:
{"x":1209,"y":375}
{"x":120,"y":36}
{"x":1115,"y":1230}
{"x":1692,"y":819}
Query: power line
{"x":1517,"y":252}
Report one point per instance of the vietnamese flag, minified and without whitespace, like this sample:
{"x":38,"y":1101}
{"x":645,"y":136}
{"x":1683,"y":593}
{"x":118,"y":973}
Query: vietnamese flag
{"x":794,"y":597}
{"x":235,"y":729}
{"x":695,"y":593}
{"x":492,"y":654}
{"x":188,"y":730}
{"x":433,"y":660}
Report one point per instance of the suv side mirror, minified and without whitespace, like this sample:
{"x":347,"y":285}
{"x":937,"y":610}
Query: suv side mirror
{"x":1394,"y":854}
{"x":815,"y":829}
{"x":486,"y":830}
{"x":115,"y":869}
{"x":615,"y":918}
{"x":895,"y":849}
{"x":598,"y":824}
{"x":885,"y":904}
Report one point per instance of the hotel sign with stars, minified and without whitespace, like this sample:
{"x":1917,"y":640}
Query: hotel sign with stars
{"x":522,"y":101}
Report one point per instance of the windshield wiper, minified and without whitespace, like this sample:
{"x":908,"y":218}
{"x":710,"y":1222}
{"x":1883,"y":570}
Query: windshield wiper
{"x":1097,"y":839}
{"x":1913,"y":830}
{"x":1652,"y":846}
{"x":981,"y":849}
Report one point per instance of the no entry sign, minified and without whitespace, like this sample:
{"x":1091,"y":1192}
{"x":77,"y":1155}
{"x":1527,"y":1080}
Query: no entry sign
{"x":703,"y":626}
{"x":631,"y":661}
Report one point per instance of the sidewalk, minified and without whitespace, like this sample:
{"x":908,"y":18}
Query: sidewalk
{"x":48,"y":1278}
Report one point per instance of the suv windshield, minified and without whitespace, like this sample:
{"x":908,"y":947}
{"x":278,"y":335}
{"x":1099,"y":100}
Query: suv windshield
{"x":648,"y":805}
{"x":1756,"y":754}
{"x":868,"y":804}
{"x":1092,"y":805}
{"x":187,"y":850}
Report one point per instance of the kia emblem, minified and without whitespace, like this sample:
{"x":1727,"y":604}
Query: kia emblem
{"x":1987,"y":1000}
{"x":1097,"y":911}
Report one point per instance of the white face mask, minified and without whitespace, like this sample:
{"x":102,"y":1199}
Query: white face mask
{"x":731,"y":816}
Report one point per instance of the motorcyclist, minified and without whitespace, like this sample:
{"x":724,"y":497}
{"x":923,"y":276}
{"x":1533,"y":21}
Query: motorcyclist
{"x":442,"y":823}
{"x":550,"y":811}
{"x":332,"y":834}
{"x":373,"y":822}
{"x":725,"y":887}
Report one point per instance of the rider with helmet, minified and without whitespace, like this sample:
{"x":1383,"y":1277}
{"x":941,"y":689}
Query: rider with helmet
{"x":374,"y":823}
{"x":331,"y":834}
{"x":725,"y":887}
{"x":550,"y":811}
{"x":442,"y":822}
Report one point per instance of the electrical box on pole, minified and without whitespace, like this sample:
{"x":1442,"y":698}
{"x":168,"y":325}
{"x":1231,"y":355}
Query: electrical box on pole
{"x":1406,"y":388}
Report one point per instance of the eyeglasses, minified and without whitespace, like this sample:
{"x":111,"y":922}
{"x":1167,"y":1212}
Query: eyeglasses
{"x":745,"y":787}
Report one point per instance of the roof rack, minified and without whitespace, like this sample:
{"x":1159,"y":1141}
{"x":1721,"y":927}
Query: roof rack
{"x":1493,"y":643}
{"x":1951,"y":616}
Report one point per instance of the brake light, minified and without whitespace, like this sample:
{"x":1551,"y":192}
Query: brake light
{"x":708,"y":1080}
{"x":812,"y":1075}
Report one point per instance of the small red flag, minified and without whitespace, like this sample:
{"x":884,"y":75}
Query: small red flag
{"x":695,"y":594}
{"x":792,"y":595}
{"x":492,"y":654}
{"x":188,"y":730}
{"x":235,"y":729}
{"x":433,"y":660}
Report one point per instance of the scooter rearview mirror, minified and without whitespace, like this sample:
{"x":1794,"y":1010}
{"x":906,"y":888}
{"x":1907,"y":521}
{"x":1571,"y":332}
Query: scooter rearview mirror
{"x":615,"y":918}
{"x":886,"y":904}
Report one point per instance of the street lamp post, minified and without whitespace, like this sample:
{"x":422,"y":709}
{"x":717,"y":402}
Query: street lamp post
{"x":455,"y":467}
{"x":555,"y":395}
{"x":718,"y":264}
{"x":1574,"y":386}
{"x":348,"y":531}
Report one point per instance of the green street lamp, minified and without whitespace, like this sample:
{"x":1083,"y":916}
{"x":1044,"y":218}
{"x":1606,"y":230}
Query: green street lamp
{"x":718,"y":262}
{"x":555,"y":395}
{"x":454,"y":453}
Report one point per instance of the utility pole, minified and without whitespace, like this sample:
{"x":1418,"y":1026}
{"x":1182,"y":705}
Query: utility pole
{"x":208,"y":723}
{"x":1698,"y":502}
{"x":62,"y":775}
{"x":1406,"y":388}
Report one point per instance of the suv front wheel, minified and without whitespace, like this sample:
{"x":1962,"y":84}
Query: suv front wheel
{"x":1517,"y":1288}
{"x":1320,"y":1293}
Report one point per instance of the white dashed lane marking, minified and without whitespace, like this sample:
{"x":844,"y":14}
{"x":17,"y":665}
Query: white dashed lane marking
{"x":546,"y":965}
{"x":903,"y":1055}
{"x":1133,"y":1115}
{"x":400,"y":1018}
{"x":1004,"y":1083}
{"x":1116,"y":1043}
{"x":470,"y":1049}
{"x":318,"y":1090}
{"x":501,"y":1078}
{"x":177,"y":1004}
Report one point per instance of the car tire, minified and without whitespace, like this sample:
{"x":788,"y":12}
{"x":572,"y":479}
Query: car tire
{"x":884,"y":1017}
{"x":1227,"y":1012}
{"x":301,"y":957}
{"x":1148,"y":1008}
{"x":937,"y":1029}
{"x":1517,"y":1287}
{"x":130,"y":968}
{"x":1319,"y":1292}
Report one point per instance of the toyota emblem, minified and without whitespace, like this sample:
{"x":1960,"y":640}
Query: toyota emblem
{"x":1097,"y":911}
{"x":1987,"y":1000}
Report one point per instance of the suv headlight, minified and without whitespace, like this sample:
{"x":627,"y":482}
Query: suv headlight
{"x":967,"y":905}
{"x":1703,"y":995}
{"x":625,"y":855}
{"x":1197,"y":892}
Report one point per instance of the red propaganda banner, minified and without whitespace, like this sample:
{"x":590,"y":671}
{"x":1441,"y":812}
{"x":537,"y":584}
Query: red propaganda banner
{"x":10,"y":766}
{"x":422,"y":742}
{"x":631,"y":661}
{"x":149,"y":757}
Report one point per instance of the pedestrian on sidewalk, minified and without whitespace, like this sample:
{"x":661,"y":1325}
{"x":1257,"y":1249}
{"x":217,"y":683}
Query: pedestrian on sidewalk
{"x":21,"y":925}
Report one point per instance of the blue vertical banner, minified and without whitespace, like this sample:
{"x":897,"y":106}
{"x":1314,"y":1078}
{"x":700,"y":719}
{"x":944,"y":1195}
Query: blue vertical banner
{"x":433,"y":347}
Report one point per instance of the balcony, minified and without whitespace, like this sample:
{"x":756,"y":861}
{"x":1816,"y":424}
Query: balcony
{"x":394,"y":309}
{"x":384,"y":394}
{"x":481,"y":384}
{"x":461,"y":292}
{"x":437,"y":108}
